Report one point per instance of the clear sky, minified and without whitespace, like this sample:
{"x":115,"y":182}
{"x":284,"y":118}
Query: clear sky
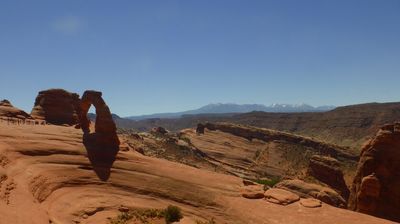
{"x":165,"y":56}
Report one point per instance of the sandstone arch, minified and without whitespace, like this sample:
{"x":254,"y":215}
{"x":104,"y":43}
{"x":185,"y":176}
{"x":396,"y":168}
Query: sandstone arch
{"x":102,"y":146}
{"x":104,"y":125}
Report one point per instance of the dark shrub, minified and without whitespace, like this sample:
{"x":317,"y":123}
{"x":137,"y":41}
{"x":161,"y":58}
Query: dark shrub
{"x":172,"y":214}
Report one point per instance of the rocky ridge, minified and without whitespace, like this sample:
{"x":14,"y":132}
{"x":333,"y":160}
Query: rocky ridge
{"x":8,"y":110}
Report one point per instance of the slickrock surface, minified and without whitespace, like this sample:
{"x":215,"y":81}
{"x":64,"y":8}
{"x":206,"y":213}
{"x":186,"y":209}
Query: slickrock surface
{"x":310,"y":202}
{"x":105,"y":128}
{"x":50,"y":179}
{"x":376,"y":187}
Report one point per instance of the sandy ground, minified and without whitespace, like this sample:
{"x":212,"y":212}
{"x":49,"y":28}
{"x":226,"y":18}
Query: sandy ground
{"x":46,"y":177}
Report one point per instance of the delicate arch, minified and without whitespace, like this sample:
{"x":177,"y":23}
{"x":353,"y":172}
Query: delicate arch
{"x":104,"y":126}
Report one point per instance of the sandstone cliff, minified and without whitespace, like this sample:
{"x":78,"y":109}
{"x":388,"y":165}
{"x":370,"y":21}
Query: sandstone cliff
{"x":376,"y":187}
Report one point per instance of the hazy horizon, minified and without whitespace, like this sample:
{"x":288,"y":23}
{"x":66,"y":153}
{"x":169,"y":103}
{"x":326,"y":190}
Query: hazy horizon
{"x":168,"y":56}
{"x":92,"y":109}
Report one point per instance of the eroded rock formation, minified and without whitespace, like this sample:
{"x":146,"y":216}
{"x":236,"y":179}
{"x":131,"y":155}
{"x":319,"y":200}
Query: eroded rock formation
{"x":56,"y":106}
{"x":8,"y":110}
{"x":268,"y":135}
{"x":280,"y":196}
{"x":376,"y":186}
{"x":308,"y":190}
{"x":327,"y":170}
{"x":200,"y":128}
{"x":105,"y":126}
{"x":102,"y":145}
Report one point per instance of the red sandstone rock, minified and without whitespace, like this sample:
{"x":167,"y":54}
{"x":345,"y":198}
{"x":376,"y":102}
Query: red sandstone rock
{"x":248,"y":182}
{"x":310,"y":202}
{"x":376,"y":186}
{"x":280,"y":196}
{"x":105,"y":126}
{"x":252,"y":191}
{"x":8,"y":110}
{"x":56,"y":106}
{"x":308,"y":190}
{"x":327,"y":170}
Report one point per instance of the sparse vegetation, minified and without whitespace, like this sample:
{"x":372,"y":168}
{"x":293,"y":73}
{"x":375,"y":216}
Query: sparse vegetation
{"x":268,"y":182}
{"x":186,"y":139}
{"x":142,"y":215}
{"x":122,"y":218}
{"x":211,"y":221}
{"x":172,"y":214}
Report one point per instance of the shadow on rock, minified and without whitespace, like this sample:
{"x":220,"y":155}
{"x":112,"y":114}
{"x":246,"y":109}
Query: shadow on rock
{"x":100,"y":154}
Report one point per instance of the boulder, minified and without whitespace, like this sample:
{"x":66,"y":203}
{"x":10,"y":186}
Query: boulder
{"x":376,"y":186}
{"x":308,"y":190}
{"x":200,"y":128}
{"x":252,"y":191}
{"x":310,"y":202}
{"x":8,"y":110}
{"x":280,"y":196}
{"x":327,"y":170}
{"x":56,"y":106}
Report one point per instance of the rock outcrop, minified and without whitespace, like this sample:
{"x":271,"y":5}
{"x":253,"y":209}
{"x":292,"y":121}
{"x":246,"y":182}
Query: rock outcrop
{"x":280,"y":196}
{"x":376,"y":186}
{"x":56,"y":106}
{"x":268,"y":135}
{"x":253,"y":191}
{"x":8,"y":110}
{"x":327,"y":170}
{"x":200,"y":128}
{"x":5,"y":103}
{"x":308,"y":190}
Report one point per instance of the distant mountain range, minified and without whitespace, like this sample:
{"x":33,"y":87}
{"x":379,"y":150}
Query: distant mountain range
{"x":92,"y":116}
{"x":348,"y":126}
{"x":226,"y":108}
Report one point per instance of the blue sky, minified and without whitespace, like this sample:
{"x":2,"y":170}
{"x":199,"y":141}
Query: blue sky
{"x":165,"y":56}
